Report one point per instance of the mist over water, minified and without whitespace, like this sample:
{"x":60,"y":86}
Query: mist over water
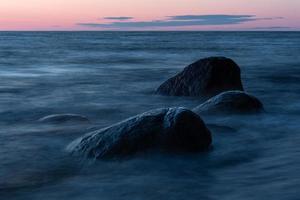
{"x":109,"y":76}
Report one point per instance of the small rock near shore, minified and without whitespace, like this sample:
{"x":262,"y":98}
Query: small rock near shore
{"x":64,"y":119}
{"x":231,"y":102}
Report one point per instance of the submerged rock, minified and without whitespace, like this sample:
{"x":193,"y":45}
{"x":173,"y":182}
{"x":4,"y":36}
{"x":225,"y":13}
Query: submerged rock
{"x":173,"y":129}
{"x":64,"y":119}
{"x":231,"y":102}
{"x":206,"y":77}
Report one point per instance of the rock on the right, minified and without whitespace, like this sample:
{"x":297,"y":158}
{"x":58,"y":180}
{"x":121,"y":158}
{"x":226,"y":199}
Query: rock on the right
{"x":206,"y":77}
{"x":237,"y":102}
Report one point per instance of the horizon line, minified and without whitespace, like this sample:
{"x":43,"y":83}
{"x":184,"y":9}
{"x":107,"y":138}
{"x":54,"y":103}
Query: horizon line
{"x":242,"y":30}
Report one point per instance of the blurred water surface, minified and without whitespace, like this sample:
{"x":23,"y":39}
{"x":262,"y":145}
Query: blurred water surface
{"x":109,"y":76}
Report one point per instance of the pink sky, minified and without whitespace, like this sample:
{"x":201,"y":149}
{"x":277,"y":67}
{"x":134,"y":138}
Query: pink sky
{"x":67,"y":14}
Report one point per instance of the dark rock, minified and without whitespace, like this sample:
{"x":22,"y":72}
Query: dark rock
{"x":171,"y":129}
{"x":206,"y":77}
{"x":230,"y":102}
{"x":64,"y":119}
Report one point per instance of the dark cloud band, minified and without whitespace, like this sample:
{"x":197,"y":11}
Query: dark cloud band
{"x":179,"y":21}
{"x":118,"y":18}
{"x":271,"y":28}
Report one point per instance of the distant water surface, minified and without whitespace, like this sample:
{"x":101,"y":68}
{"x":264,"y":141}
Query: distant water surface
{"x":109,"y":76}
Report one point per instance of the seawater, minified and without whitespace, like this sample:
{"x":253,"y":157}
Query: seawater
{"x":109,"y":76}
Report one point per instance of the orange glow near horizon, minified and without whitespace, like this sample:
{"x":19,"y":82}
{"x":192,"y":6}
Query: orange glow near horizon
{"x":65,"y":15}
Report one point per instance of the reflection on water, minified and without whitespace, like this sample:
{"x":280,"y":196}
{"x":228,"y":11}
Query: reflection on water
{"x":109,"y":76}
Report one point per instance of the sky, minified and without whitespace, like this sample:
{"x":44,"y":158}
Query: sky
{"x":149,"y":15}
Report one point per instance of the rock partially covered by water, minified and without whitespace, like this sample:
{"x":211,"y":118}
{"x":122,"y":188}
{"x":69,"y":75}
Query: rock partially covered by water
{"x":206,"y":77}
{"x":231,"y":102}
{"x":171,"y":129}
{"x":64,"y":119}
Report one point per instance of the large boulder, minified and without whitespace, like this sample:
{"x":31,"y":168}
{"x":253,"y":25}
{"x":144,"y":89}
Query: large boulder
{"x":171,"y":129}
{"x":64,"y":119}
{"x":238,"y":102}
{"x":206,"y":77}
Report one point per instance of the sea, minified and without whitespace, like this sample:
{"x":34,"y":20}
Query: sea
{"x":110,"y":76}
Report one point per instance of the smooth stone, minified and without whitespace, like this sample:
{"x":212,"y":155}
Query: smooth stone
{"x":206,"y":77}
{"x":171,"y":129}
{"x":64,"y":119}
{"x":231,"y":102}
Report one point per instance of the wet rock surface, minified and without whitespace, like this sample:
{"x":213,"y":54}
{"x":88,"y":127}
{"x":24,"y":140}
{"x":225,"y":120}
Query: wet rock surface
{"x":206,"y":77}
{"x":231,"y":102}
{"x":171,"y":129}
